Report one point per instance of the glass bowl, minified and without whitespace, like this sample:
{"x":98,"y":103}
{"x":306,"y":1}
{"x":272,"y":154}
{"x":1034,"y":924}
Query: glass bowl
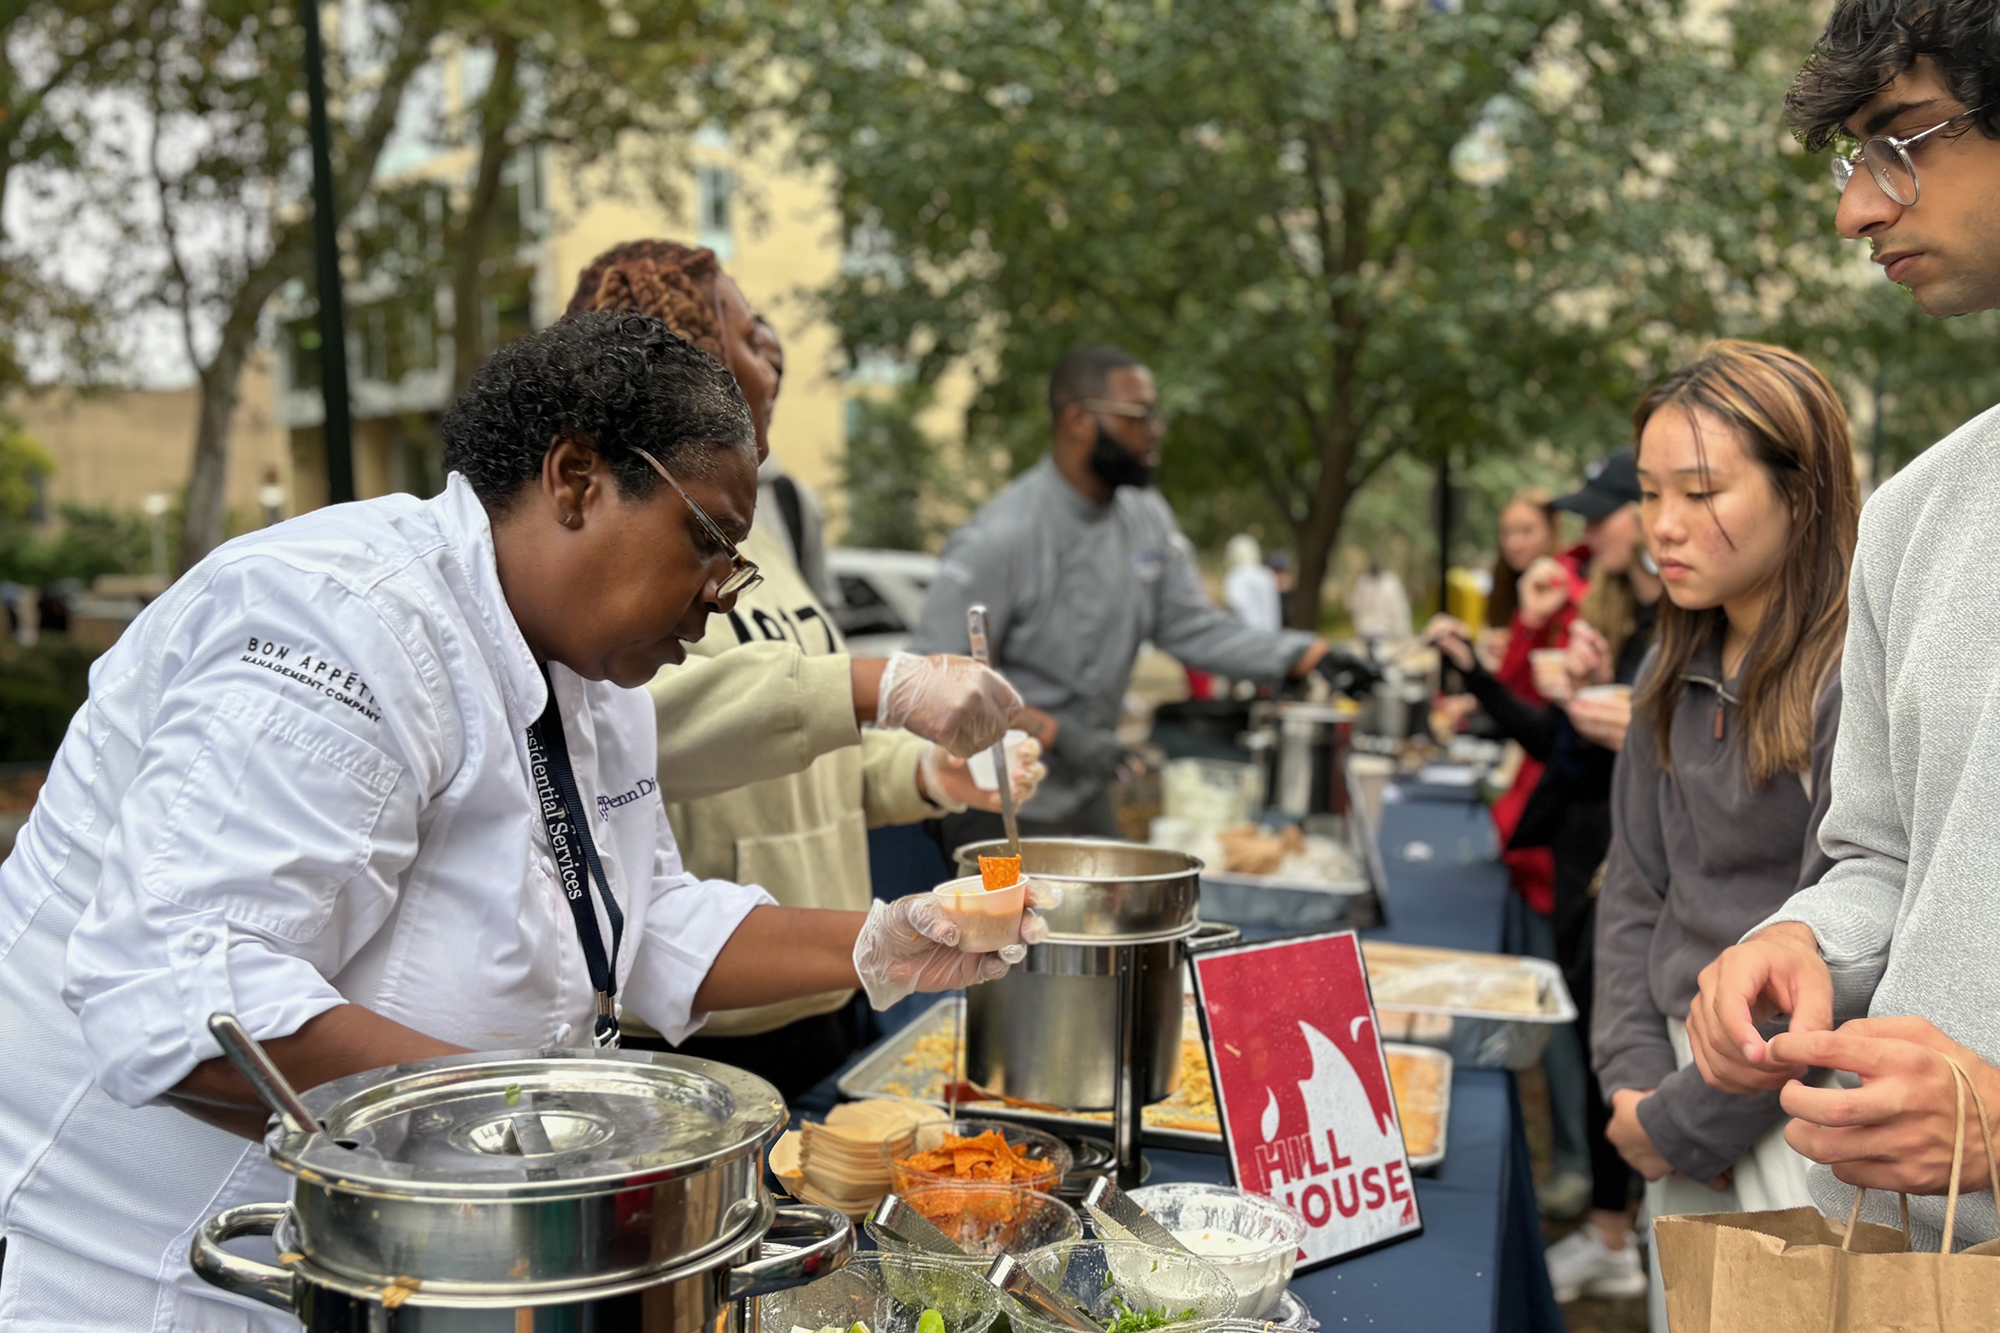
{"x":988,"y":1220}
{"x":1269,"y":1233}
{"x":1109,"y":1277}
{"x":888,"y":1293}
{"x":1030,"y":1143}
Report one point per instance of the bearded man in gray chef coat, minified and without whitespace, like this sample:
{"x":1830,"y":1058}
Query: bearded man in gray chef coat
{"x":1078,"y":562}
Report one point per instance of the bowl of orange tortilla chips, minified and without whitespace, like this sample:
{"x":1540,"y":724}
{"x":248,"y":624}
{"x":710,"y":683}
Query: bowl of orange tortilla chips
{"x":945,"y":1152}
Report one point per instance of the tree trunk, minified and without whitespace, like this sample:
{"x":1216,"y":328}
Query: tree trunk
{"x":206,"y":514}
{"x":468,"y":281}
{"x":1317,"y":539}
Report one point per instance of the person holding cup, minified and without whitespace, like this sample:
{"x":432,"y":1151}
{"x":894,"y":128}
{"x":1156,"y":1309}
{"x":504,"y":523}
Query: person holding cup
{"x":1568,"y":815}
{"x":1750,"y":510}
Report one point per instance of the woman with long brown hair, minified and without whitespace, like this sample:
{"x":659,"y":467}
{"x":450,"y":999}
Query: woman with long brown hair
{"x":1750,"y":508}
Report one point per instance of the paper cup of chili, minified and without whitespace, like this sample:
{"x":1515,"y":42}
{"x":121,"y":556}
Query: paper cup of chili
{"x":987,"y":919}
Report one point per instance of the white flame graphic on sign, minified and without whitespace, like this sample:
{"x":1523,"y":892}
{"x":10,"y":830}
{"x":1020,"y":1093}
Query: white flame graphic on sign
{"x":1269,"y":1123}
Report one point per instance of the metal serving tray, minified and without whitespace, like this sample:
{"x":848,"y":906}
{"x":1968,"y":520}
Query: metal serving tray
{"x":1430,"y":1160}
{"x":1288,"y":904}
{"x":1485,"y":1039}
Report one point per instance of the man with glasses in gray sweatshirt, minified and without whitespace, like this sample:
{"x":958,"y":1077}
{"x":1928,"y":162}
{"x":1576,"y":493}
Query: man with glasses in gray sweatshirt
{"x":1892,"y":960}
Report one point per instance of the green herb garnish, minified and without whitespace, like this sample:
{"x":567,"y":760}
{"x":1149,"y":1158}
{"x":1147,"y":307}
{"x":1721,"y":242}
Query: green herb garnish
{"x":513,"y":1093}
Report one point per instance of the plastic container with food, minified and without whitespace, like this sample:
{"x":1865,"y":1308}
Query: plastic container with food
{"x":1253,"y":1240}
{"x":987,"y":1220}
{"x":987,"y":919}
{"x":961,"y":1152}
{"x":1124,"y":1284}
{"x":887,"y":1293}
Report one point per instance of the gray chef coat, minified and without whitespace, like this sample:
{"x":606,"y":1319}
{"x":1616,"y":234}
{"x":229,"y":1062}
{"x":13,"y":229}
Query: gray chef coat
{"x":1072,"y":588}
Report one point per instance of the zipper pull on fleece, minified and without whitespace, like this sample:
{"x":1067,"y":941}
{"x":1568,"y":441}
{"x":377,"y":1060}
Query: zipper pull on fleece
{"x":1718,"y":719}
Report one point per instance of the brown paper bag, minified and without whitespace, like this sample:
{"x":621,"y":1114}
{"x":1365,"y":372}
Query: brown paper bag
{"x":1799,"y":1272}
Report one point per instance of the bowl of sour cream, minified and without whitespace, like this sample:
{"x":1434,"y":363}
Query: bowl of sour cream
{"x":1253,"y":1240}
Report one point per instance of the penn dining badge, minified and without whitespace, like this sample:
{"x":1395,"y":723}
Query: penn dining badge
{"x":1303,"y":1090}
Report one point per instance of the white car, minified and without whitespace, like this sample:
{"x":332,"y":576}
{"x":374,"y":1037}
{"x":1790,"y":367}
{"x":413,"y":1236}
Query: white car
{"x":881,"y":594}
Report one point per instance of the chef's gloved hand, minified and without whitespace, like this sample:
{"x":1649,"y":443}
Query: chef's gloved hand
{"x":1347,"y":673}
{"x":954,"y":701}
{"x":1098,"y":755}
{"x":910,"y":945}
{"x":947,"y":780}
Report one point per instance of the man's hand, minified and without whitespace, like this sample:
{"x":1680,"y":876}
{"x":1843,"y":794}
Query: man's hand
{"x":1042,"y":726}
{"x":1776,"y":971}
{"x":1895,"y":1131}
{"x":1630,"y":1138}
{"x":1543,"y":591}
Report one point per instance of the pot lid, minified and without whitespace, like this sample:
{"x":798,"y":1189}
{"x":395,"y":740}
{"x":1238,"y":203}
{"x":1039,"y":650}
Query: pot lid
{"x":529,"y":1124}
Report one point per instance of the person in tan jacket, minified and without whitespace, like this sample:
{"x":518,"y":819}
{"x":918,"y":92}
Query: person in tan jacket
{"x":769,"y":768}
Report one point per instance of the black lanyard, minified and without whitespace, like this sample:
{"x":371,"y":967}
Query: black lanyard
{"x":576,"y":857}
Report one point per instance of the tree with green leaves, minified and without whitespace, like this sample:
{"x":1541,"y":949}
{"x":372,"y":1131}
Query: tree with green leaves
{"x":1342,"y":232}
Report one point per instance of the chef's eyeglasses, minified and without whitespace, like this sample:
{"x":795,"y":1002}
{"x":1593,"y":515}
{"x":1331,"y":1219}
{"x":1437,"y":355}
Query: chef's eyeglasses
{"x":1148,"y":414}
{"x":1888,"y":161}
{"x":743,"y":575}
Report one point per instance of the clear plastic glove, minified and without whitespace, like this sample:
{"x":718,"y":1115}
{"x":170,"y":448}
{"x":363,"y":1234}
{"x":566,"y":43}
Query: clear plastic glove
{"x":911,"y":945}
{"x":947,"y":782}
{"x":954,"y":701}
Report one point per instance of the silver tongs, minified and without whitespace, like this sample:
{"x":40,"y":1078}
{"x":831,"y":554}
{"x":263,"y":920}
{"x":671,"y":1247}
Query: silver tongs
{"x":1012,"y":1277}
{"x":1117,"y":1216}
{"x":900,"y":1222}
{"x":975,"y":629}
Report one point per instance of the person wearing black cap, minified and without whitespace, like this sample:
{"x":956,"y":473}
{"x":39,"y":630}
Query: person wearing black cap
{"x":1569,"y":812}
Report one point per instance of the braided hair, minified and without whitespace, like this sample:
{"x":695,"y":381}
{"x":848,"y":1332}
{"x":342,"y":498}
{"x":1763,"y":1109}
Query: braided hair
{"x":673,"y":283}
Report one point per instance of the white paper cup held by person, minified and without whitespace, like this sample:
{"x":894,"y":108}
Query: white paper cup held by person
{"x":981,"y":765}
{"x":1551,"y":668}
{"x":987,"y":919}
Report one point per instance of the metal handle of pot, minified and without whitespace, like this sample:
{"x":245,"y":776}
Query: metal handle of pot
{"x":1213,"y":935}
{"x":233,"y":1273}
{"x":832,"y":1247}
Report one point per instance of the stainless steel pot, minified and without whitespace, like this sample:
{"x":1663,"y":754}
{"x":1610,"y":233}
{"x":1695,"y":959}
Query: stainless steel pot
{"x":1303,"y":748}
{"x":1048,"y":1030}
{"x":1112,"y":892}
{"x":529,"y":1169}
{"x":712,"y":1294}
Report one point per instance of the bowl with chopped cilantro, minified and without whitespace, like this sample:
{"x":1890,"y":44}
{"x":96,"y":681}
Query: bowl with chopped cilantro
{"x":1127,"y":1287}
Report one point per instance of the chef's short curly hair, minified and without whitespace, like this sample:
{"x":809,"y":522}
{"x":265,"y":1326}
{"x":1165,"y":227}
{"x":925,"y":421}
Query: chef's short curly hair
{"x":1867,"y":43}
{"x":611,"y":381}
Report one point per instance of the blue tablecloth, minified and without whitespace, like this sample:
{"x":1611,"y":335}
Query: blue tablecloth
{"x":1478,"y":1264}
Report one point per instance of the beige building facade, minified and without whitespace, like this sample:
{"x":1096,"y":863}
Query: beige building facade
{"x":114,"y":449}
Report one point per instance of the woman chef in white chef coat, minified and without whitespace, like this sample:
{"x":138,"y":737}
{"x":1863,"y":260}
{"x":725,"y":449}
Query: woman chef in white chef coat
{"x":302,"y":791}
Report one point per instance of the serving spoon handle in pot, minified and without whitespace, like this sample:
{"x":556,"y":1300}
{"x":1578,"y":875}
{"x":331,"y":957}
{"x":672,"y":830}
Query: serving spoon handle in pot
{"x":975,"y":631}
{"x":254,"y":1063}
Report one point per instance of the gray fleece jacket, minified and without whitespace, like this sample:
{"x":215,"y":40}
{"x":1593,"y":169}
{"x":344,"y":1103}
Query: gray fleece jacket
{"x":1906,"y":917}
{"x":1698,"y":856}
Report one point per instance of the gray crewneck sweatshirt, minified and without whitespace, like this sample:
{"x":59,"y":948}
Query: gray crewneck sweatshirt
{"x":1906,"y":917}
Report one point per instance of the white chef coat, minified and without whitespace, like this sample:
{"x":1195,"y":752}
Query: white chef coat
{"x":300,"y":780}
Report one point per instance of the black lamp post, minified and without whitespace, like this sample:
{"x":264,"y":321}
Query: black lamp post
{"x":338,"y":430}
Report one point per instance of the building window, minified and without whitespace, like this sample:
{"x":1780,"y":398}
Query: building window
{"x":714,"y":209}
{"x":396,"y":338}
{"x":302,"y":345}
{"x":510,"y":306}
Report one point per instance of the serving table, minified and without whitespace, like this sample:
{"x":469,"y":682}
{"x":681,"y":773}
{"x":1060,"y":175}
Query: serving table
{"x":1478,"y":1264}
